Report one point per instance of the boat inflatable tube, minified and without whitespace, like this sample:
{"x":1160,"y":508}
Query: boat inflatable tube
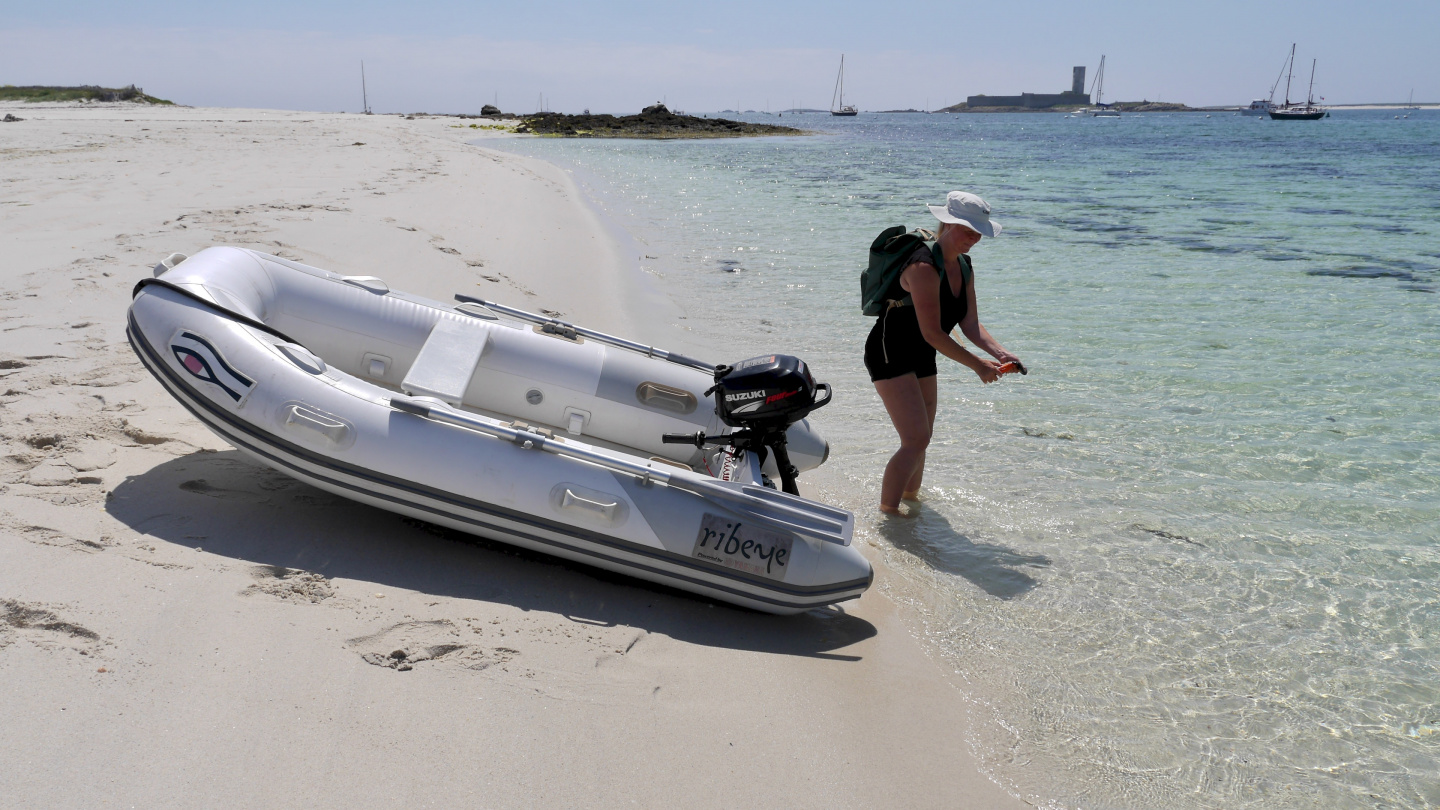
{"x":490,"y":421}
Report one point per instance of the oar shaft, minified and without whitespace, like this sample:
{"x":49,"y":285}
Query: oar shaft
{"x":618,"y":342}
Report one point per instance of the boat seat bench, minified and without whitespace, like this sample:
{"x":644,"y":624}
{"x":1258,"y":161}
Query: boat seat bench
{"x":447,"y":361}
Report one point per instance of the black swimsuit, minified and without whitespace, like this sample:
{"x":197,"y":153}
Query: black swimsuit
{"x":896,"y":346}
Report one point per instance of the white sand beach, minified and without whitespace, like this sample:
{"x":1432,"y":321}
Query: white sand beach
{"x":182,"y":628}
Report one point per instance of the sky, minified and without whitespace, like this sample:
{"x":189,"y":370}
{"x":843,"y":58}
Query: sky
{"x":452,"y":56}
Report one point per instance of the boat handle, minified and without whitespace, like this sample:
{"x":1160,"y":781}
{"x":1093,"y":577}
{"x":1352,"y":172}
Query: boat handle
{"x":606,"y":510}
{"x":372,"y":284}
{"x":666,"y":398}
{"x":306,"y":418}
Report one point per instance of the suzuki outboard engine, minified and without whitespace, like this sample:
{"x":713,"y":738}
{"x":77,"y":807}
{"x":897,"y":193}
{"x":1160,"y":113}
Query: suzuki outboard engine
{"x":761,"y":398}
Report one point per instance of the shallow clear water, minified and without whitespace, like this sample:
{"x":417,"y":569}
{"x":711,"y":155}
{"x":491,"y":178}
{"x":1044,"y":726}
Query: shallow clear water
{"x":1191,"y":560}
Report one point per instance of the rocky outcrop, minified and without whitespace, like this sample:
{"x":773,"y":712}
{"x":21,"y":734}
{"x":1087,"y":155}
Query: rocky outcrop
{"x":655,"y":121}
{"x":1150,"y":106}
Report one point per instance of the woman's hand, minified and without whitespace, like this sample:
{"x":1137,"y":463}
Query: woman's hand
{"x":987,"y":370}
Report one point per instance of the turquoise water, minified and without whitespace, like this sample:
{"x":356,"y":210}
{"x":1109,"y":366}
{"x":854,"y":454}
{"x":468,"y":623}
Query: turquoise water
{"x":1191,"y":560}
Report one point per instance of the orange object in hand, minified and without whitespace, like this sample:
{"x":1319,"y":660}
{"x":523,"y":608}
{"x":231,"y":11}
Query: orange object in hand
{"x":1010,"y":368}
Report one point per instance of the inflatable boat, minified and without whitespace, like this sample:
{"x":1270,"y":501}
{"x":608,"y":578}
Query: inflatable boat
{"x":508,"y":425}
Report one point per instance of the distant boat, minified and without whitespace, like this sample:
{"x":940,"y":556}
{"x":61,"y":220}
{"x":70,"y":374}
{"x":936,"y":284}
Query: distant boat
{"x":1260,"y":106}
{"x":1410,"y":105}
{"x":1263,"y":106}
{"x":1308,"y":111}
{"x":1100,"y":110}
{"x":837,"y":100}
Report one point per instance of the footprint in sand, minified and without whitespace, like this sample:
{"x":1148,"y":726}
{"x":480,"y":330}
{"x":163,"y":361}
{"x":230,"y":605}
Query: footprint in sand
{"x":90,"y":456}
{"x":43,"y":628}
{"x":439,"y":642}
{"x":141,"y":437}
{"x":46,"y":536}
{"x":44,"y":441}
{"x":199,"y":486}
{"x":289,"y":584}
{"x":49,"y":473}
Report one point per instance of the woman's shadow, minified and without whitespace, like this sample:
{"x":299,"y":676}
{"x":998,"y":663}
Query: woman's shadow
{"x":996,"y":570}
{"x":226,"y":504}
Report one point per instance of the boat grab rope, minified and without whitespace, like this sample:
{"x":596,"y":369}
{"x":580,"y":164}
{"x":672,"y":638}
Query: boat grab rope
{"x":211,"y":305}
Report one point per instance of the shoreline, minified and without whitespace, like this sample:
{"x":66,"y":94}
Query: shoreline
{"x":911,"y":600}
{"x":1053,"y":588}
{"x":201,"y":608}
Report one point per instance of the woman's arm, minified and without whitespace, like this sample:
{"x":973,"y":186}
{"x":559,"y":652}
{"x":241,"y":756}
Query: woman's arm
{"x":923,"y":283}
{"x":971,"y":327}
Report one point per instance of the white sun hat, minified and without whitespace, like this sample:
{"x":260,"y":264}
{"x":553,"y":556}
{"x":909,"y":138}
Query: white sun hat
{"x":964,"y":208}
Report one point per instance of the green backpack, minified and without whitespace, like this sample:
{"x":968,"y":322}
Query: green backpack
{"x":889,"y":255}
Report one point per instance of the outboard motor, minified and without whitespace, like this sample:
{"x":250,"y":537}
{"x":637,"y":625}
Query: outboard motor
{"x":761,"y":398}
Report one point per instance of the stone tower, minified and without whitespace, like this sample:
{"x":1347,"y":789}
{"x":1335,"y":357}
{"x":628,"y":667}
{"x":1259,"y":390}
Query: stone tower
{"x":1077,"y":84}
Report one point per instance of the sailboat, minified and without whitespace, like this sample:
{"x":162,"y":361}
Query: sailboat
{"x":837,"y":100}
{"x":1308,"y":111}
{"x":1098,"y":88}
{"x":1410,"y":105}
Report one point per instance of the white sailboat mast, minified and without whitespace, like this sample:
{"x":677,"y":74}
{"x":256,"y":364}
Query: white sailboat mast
{"x":364,"y":94}
{"x":1097,"y":87}
{"x":1289,"y":75}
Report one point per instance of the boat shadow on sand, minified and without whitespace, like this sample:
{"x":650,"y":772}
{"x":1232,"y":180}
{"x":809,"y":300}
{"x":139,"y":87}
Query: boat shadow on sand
{"x":996,"y":570}
{"x":225,"y":504}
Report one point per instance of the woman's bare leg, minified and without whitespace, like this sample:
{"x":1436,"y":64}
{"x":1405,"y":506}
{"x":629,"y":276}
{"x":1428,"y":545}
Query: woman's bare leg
{"x":905,"y":402}
{"x":929,"y":392}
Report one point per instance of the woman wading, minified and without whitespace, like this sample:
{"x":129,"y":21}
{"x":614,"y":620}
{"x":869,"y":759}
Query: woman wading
{"x":932,"y":295}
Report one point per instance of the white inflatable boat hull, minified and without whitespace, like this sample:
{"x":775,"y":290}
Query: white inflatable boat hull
{"x":431,"y":411}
